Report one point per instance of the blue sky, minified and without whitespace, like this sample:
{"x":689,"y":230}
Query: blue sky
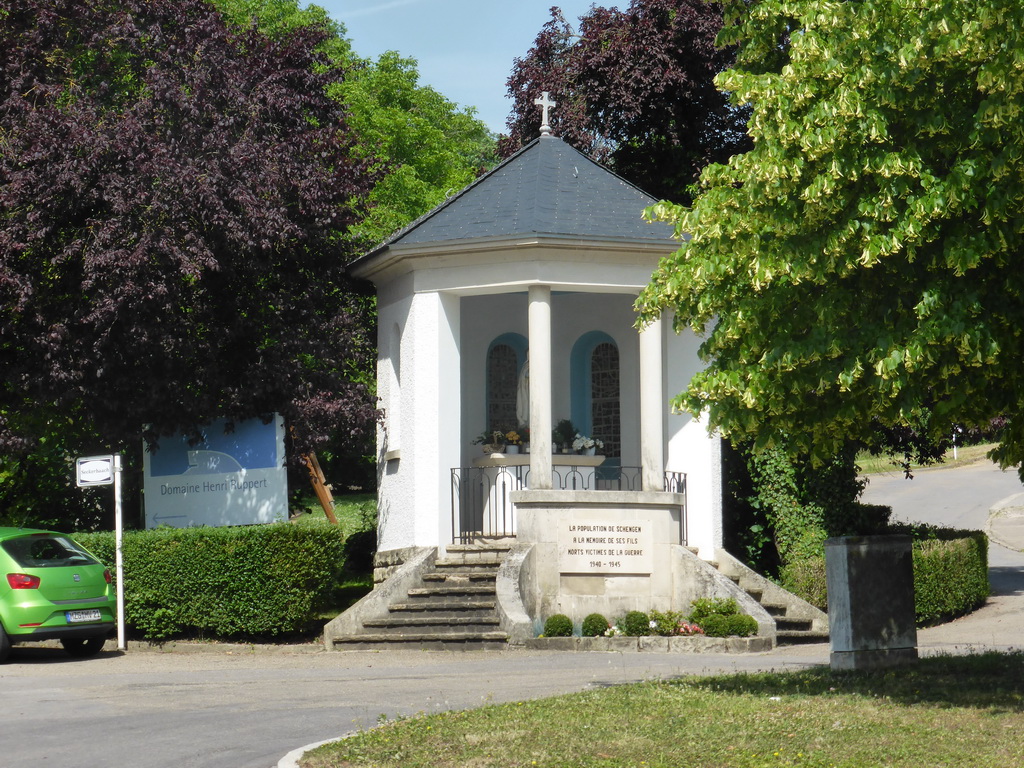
{"x":464,"y":48}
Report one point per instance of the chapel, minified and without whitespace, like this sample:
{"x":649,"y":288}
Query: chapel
{"x":505,"y":319}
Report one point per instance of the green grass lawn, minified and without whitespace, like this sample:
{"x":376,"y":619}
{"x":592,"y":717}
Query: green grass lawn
{"x":969,"y":454}
{"x":355,"y":512}
{"x":945,"y":711}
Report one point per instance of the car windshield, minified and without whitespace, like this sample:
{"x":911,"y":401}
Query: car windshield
{"x":45,"y":551}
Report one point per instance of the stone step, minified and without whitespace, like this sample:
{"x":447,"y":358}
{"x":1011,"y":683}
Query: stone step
{"x":775,"y":611}
{"x":490,"y":563}
{"x":448,"y":590}
{"x":437,"y":639}
{"x":462,"y":646}
{"x":793,"y":625}
{"x":436,"y":624}
{"x":462,"y":576}
{"x":495,"y":546}
{"x":448,"y":607}
{"x":797,"y":637}
{"x":453,"y":607}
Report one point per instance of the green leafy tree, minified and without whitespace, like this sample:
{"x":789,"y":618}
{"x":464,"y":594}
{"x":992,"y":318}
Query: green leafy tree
{"x":861,"y":265}
{"x":428,"y":148}
{"x":420,"y":143}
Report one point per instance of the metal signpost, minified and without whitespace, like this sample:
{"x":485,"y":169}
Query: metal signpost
{"x":106,"y":470}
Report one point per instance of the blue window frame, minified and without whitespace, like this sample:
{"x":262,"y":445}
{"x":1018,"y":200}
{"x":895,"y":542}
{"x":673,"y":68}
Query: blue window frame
{"x":595,"y":389}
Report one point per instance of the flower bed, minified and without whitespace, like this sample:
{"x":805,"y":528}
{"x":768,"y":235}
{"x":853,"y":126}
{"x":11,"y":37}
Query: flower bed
{"x":725,"y":631}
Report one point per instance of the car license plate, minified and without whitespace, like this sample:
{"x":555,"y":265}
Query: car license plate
{"x":74,"y":617}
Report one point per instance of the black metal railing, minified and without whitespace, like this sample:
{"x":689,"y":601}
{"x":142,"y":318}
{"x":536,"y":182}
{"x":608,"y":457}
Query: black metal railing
{"x":482,"y":505}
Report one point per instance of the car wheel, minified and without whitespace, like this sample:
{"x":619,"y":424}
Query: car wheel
{"x":5,"y":645}
{"x":82,"y":648}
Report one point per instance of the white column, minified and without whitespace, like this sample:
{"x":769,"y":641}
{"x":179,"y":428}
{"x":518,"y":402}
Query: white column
{"x":652,"y":408}
{"x":540,"y":386}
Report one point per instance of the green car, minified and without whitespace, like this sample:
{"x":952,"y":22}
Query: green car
{"x":52,"y":589}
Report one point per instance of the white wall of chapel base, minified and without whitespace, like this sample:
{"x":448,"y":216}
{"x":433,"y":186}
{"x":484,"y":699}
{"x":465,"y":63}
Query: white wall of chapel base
{"x":599,"y":551}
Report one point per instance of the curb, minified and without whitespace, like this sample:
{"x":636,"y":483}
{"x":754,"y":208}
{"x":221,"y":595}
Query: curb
{"x":212,"y":647}
{"x":651,"y":644}
{"x":1004,"y":510}
{"x":291,"y":760}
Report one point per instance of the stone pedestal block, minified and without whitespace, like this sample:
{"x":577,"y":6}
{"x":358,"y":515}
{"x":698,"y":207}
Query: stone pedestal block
{"x":870,"y":601}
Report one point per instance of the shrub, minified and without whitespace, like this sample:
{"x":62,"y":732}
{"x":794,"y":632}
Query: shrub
{"x":244,"y":582}
{"x":594,"y":625}
{"x":806,"y":579}
{"x":712,"y":606}
{"x":635,"y":624}
{"x":737,"y":624}
{"x":360,"y":547}
{"x":558,"y":625}
{"x":950,"y":576}
{"x":667,"y":623}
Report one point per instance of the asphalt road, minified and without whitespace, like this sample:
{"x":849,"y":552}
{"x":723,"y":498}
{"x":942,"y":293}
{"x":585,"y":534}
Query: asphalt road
{"x":219,"y":706}
{"x":959,"y":497}
{"x":246,"y":710}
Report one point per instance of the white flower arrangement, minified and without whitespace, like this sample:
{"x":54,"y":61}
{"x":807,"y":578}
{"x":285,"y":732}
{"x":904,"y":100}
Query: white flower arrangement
{"x":582,"y":442}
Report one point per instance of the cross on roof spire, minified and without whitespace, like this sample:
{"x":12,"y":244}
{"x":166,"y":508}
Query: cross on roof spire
{"x":545,"y":103}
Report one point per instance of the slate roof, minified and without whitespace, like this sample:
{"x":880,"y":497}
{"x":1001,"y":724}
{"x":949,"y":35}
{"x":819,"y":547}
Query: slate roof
{"x":547,"y":188}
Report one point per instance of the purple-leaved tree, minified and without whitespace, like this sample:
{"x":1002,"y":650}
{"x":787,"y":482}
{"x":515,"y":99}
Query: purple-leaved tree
{"x":172,"y":199}
{"x":635,"y":90}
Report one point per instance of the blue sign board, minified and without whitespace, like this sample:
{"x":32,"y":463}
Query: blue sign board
{"x":234,"y":475}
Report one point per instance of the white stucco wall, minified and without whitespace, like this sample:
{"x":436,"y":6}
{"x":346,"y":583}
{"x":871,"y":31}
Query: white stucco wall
{"x":424,"y":415}
{"x":691,"y":449}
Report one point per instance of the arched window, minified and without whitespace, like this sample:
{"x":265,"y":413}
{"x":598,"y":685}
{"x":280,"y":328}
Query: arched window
{"x":604,"y":397}
{"x":595,"y":390}
{"x":505,"y":358}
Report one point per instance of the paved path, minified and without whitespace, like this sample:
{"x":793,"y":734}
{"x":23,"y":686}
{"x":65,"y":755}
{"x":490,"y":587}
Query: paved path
{"x":219,"y":706}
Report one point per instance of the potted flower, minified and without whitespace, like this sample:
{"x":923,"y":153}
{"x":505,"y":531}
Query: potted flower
{"x":492,"y":440}
{"x":588,"y":446}
{"x":512,"y":441}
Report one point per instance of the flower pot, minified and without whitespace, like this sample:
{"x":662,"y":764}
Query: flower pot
{"x":589,"y":451}
{"x":511,"y":449}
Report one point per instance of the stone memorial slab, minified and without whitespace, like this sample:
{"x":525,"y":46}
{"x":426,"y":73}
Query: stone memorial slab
{"x":591,"y":546}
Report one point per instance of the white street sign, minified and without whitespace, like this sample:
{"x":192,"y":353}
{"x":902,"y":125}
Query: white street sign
{"x":95,"y":470}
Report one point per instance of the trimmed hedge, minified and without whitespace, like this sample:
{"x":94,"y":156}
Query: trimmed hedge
{"x":950,"y":576}
{"x":241,"y":582}
{"x":950,"y":573}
